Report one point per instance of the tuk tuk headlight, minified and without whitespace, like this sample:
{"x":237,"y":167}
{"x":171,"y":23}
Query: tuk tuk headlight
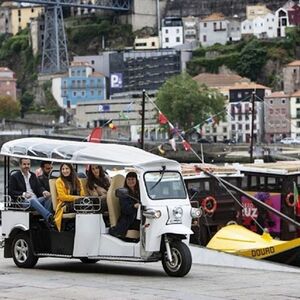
{"x":152,"y":213}
{"x":196,"y":212}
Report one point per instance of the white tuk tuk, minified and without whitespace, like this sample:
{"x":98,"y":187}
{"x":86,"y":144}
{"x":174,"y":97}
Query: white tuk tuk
{"x":165,"y":214}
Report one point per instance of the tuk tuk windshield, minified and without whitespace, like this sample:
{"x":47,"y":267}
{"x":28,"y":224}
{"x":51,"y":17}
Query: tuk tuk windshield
{"x":164,"y":185}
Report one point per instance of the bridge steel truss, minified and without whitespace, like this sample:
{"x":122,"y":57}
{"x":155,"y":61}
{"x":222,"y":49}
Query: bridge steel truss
{"x":55,"y":57}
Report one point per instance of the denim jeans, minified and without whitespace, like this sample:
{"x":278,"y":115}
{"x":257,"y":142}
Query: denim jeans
{"x":42,"y":205}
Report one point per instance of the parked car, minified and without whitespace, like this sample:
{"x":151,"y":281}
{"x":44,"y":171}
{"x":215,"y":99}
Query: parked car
{"x":290,"y":141}
{"x":204,"y":141}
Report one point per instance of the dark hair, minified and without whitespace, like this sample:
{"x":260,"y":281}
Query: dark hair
{"x":20,"y":160}
{"x":136,"y":192}
{"x":101,"y":181}
{"x":44,"y":162}
{"x":71,"y":181}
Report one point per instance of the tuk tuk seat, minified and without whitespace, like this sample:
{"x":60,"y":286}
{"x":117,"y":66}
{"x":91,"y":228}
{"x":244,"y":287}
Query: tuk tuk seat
{"x":54,"y":199}
{"x":113,"y":205}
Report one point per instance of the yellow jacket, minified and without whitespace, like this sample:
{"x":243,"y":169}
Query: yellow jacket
{"x":63,"y":195}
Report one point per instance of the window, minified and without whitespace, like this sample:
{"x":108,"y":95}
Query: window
{"x":92,"y":62}
{"x":247,"y":127}
{"x":204,"y":24}
{"x":167,"y":31}
{"x":282,"y":101}
{"x":215,"y":26}
{"x":224,"y":129}
{"x":204,"y":38}
{"x":233,"y":127}
{"x":177,"y":30}
{"x":297,"y":100}
{"x":178,"y":39}
{"x":271,"y":102}
{"x":167,"y":40}
{"x":74,"y":94}
{"x":92,"y":92}
{"x":283,"y":111}
{"x":271,"y":111}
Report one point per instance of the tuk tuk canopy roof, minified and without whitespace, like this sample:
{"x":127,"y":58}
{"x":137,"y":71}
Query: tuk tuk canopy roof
{"x":83,"y":153}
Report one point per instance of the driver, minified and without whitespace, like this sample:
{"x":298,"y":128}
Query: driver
{"x":129,"y":207}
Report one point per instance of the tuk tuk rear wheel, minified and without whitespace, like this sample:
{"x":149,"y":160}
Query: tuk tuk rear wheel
{"x":86,"y":260}
{"x":181,"y":260}
{"x":22,"y":251}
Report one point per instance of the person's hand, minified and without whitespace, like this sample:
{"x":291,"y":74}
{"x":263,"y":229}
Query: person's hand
{"x":136,"y":205}
{"x":46,"y":194}
{"x":27,"y":195}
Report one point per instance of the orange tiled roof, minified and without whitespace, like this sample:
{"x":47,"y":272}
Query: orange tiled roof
{"x":296,"y":94}
{"x":294,"y":63}
{"x":246,"y":86}
{"x":214,"y":17}
{"x":218,"y":80}
{"x":278,"y":94}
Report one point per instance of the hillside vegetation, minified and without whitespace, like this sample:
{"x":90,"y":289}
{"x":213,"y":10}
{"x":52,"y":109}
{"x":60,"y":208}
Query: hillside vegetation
{"x":259,"y":60}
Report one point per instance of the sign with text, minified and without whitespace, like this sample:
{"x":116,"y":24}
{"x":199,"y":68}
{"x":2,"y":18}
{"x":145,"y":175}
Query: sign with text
{"x":116,"y":80}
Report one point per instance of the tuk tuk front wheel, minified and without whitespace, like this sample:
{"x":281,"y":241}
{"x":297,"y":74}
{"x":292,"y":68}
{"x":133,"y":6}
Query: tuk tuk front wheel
{"x":181,"y":260}
{"x":22,"y":251}
{"x":86,"y":260}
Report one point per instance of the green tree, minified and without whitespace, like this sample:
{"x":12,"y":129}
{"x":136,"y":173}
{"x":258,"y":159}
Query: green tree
{"x":187,"y":103}
{"x":9,"y":108}
{"x":26,"y":102}
{"x":252,"y":59}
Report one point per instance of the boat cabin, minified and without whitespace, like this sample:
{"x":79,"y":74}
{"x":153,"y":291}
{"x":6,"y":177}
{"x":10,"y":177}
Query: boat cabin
{"x":276,"y":184}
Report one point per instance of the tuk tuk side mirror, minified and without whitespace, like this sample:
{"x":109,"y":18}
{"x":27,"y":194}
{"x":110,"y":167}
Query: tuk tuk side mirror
{"x":122,"y":192}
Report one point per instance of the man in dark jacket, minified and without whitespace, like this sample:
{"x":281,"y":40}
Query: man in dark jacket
{"x":46,"y":167}
{"x":25,"y":187}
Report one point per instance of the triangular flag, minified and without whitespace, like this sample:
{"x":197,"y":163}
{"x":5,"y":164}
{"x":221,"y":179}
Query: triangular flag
{"x":197,"y":128}
{"x":161,"y":150}
{"x":122,"y":115}
{"x":162,"y":119}
{"x":173,"y":143}
{"x":95,"y":136}
{"x":186,"y":145}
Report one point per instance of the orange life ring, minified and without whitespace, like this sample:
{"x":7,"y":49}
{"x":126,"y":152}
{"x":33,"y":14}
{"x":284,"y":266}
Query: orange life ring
{"x":209,"y":204}
{"x":288,"y":198}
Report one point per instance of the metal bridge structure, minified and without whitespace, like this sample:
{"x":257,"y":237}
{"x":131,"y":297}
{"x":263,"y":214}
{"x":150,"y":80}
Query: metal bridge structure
{"x":55,"y":57}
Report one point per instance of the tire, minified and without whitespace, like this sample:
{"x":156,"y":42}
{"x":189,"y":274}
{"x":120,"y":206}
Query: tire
{"x":22,"y":251}
{"x":182,"y":260}
{"x":86,"y":260}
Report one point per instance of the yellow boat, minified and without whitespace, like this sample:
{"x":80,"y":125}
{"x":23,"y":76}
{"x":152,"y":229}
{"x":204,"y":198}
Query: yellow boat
{"x":238,"y":240}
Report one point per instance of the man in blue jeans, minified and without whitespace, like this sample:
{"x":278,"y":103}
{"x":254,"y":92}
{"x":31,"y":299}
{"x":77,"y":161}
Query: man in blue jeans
{"x":25,"y":187}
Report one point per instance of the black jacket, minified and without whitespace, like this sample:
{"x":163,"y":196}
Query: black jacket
{"x":17,"y":185}
{"x":44,"y":182}
{"x":127,"y":217}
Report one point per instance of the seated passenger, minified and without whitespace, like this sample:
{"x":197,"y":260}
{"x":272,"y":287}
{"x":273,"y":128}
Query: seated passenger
{"x":68,"y":188}
{"x":97,"y":184}
{"x":129,"y":207}
{"x":46,"y":167}
{"x":25,"y":186}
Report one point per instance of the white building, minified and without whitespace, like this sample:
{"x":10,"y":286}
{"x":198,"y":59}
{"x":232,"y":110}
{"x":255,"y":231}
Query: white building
{"x":295,"y":114}
{"x":234,"y":29}
{"x":190,"y":29}
{"x":265,"y":26}
{"x":149,"y":43}
{"x":171,"y":32}
{"x":283,"y":21}
{"x":261,"y":26}
{"x":213,"y":29}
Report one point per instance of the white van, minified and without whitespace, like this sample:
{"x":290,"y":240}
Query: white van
{"x":165,"y":214}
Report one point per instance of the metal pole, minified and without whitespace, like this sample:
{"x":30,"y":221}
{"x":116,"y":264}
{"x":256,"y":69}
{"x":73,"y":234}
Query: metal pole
{"x":252,"y":127}
{"x":143,"y":119}
{"x":158,"y":17}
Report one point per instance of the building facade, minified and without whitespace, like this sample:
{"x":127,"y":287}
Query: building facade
{"x":291,"y":77}
{"x":8,"y":83}
{"x":171,"y":32}
{"x":277,"y":117}
{"x":213,"y":29}
{"x":81,"y":84}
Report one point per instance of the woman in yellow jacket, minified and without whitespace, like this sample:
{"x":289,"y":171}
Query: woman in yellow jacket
{"x":68,"y":188}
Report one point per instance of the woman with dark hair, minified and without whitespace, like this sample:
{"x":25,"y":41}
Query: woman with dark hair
{"x":98,"y":184}
{"x":129,"y":207}
{"x":68,"y":188}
